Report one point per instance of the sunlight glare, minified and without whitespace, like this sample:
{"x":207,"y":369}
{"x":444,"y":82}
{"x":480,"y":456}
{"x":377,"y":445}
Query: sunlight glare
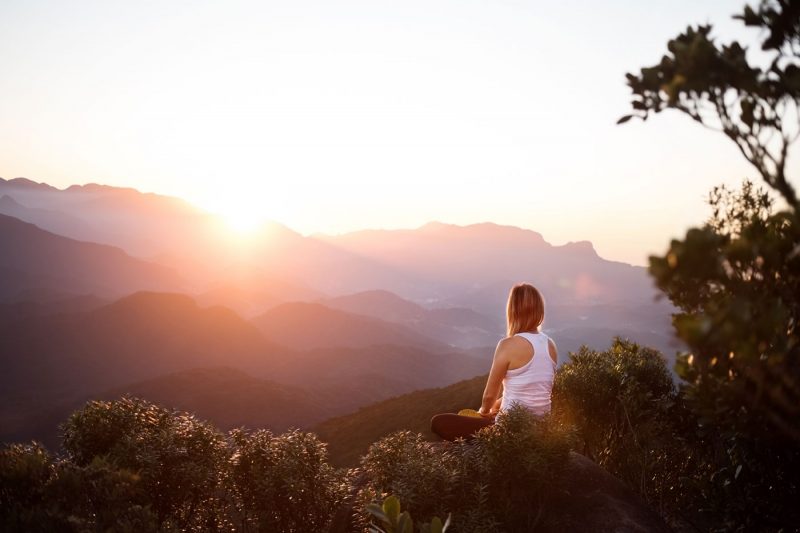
{"x":243,"y":216}
{"x":244,"y":221}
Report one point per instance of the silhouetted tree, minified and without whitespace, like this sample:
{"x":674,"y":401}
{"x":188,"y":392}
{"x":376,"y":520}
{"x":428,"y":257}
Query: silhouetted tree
{"x":736,"y":279}
{"x":755,"y":106}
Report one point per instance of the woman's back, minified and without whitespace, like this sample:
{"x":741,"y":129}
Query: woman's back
{"x":531,"y":384}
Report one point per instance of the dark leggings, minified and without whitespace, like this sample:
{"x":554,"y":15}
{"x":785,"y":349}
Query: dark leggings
{"x":451,"y":426}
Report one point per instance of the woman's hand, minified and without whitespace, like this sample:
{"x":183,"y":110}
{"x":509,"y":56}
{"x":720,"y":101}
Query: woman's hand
{"x":497,"y":405}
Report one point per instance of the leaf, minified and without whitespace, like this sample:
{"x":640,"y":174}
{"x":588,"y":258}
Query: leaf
{"x":738,"y":470}
{"x":375,"y":510}
{"x":447,"y":522}
{"x":405,"y":524}
{"x":624,"y":119}
{"x":391,"y":506}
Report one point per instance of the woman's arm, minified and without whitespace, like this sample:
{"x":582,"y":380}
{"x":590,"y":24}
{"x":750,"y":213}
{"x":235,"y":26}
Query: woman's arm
{"x":495,"y":382}
{"x":496,"y":407}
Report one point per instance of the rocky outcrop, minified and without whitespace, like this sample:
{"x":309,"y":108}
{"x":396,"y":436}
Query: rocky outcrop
{"x":587,"y":498}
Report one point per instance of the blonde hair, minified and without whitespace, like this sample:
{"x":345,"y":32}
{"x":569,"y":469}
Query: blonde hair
{"x":525,"y":309}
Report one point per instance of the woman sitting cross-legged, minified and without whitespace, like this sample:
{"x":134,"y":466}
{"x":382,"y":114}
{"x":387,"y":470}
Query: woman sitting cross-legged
{"x":524,"y":365}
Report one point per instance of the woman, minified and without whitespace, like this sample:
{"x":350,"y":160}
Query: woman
{"x":524,"y":365}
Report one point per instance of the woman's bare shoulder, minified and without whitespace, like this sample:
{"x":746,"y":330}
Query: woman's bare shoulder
{"x":512,"y":344}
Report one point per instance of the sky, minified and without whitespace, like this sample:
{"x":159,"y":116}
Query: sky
{"x":333,"y":116}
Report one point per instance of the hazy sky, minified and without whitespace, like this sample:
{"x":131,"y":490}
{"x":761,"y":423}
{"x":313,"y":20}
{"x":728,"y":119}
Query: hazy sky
{"x":339,"y":115}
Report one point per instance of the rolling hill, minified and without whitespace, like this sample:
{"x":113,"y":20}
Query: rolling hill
{"x":456,"y":326}
{"x":36,"y":259}
{"x":306,"y":326}
{"x":437,"y":266}
{"x":350,"y":436}
{"x":57,"y":359}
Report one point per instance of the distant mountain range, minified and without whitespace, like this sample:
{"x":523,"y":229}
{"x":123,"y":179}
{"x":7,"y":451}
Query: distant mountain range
{"x":457,"y":326}
{"x":140,"y":343}
{"x":439,"y":265}
{"x":106,"y":291}
{"x":32,"y":258}
{"x":305,"y":325}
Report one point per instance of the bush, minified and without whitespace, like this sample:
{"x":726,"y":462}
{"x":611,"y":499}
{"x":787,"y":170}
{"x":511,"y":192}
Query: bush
{"x":283,"y":483}
{"x":630,"y":420}
{"x":180,"y":461}
{"x":132,"y":466}
{"x":497,"y":481}
{"x":25,"y":472}
{"x":38,"y":493}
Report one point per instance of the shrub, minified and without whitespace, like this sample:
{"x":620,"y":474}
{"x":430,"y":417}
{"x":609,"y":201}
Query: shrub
{"x":39,"y":493}
{"x":283,"y":483}
{"x":25,"y":472}
{"x":630,"y":419}
{"x":179,"y":460}
{"x":497,"y":481}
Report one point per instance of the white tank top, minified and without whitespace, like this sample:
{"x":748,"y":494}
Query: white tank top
{"x":531,"y":384}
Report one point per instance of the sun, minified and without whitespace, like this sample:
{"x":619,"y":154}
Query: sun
{"x":243,"y":221}
{"x":241,"y":216}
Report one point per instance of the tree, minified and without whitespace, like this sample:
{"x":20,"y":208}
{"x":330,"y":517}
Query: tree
{"x":756,"y":107}
{"x":736,"y":279}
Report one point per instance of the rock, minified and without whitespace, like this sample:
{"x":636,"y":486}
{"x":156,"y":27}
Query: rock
{"x":587,"y":498}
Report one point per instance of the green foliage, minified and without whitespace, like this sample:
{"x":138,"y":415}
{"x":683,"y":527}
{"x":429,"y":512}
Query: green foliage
{"x":755,"y":106}
{"x":132,"y":466}
{"x":422,"y":474}
{"x":393,"y":521}
{"x":178,"y":458}
{"x":631,"y":420}
{"x":497,"y":481}
{"x":25,"y":472}
{"x":611,"y":393}
{"x":38,"y":493}
{"x":736,"y":279}
{"x":288,"y":471}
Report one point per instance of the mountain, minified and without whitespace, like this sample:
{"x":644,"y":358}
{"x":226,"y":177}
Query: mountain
{"x":36,"y":259}
{"x":231,"y":398}
{"x":42,"y":302}
{"x":378,"y":303}
{"x":475,"y":265}
{"x":57,"y":359}
{"x":251,"y":302}
{"x":439,"y":265}
{"x":456,"y":326}
{"x":350,"y":436}
{"x":138,"y":337}
{"x":47,"y":219}
{"x":443,"y":281}
{"x":225,"y":396}
{"x":304,"y":326}
{"x":134,"y":221}
{"x":199,"y":244}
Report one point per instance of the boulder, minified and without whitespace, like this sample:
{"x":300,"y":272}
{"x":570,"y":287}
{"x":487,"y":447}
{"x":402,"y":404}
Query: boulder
{"x":587,"y":498}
